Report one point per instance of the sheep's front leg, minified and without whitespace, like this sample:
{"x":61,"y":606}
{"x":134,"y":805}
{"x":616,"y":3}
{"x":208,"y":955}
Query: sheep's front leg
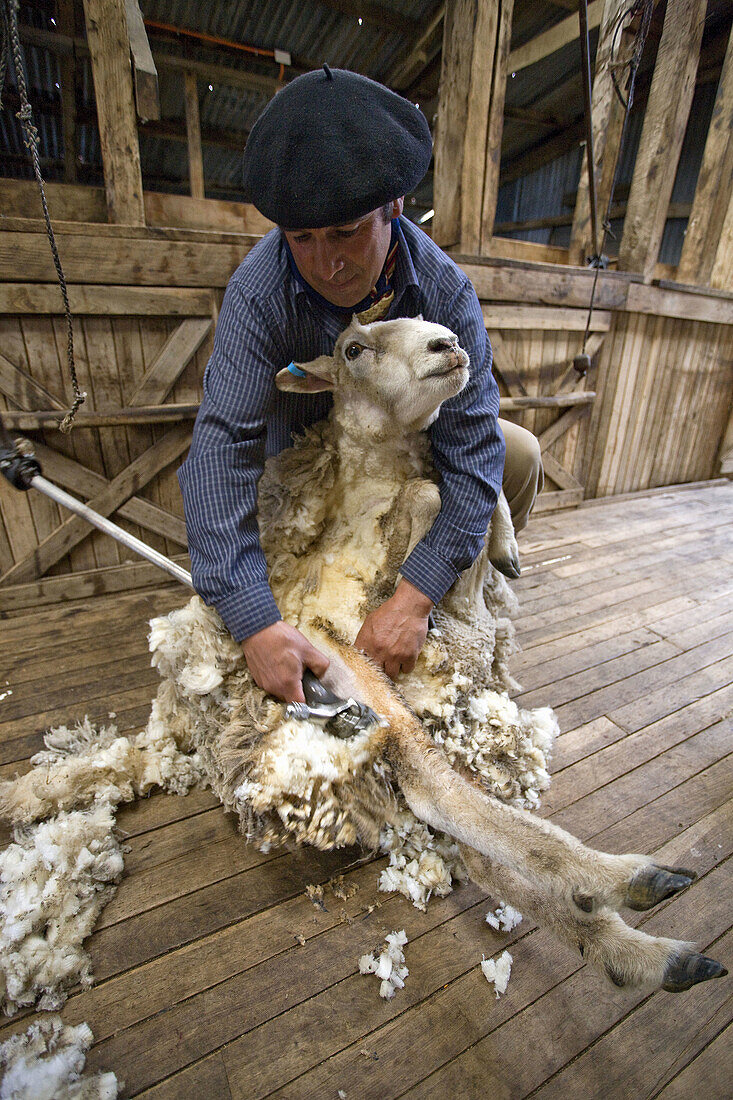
{"x":627,"y":956}
{"x":411,"y":516}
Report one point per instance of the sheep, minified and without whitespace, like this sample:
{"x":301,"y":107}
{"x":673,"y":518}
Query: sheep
{"x":338,"y":514}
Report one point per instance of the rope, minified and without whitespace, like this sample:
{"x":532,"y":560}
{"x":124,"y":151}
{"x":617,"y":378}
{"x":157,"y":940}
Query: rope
{"x":30,"y":139}
{"x":645,"y":9}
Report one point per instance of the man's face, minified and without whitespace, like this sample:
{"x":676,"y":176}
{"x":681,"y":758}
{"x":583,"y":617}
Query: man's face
{"x":343,"y":262}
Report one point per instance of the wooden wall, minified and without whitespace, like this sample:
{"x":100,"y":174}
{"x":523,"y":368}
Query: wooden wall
{"x":652,"y":411}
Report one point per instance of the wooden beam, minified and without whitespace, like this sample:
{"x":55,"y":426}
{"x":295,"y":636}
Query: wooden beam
{"x":109,"y":46}
{"x":193,"y":136}
{"x":570,"y":135}
{"x":72,"y":531}
{"x":67,"y":67}
{"x":90,"y":582}
{"x":559,"y":401}
{"x":113,"y":301}
{"x":469,"y":124}
{"x":558,"y":473}
{"x":129,"y":417}
{"x":24,"y":391}
{"x":425,"y":48}
{"x":665,"y":121}
{"x":562,"y":425}
{"x":714,"y":190}
{"x":475,"y":137}
{"x":505,"y":365}
{"x":86,"y":483}
{"x":540,"y":317}
{"x":722,"y":273}
{"x":146,"y":75}
{"x":173,"y":358}
{"x":495,"y":126}
{"x":604,"y":97}
{"x":564,"y":32}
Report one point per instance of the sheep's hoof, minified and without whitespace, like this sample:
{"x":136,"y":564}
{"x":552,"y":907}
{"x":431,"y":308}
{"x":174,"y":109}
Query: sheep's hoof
{"x":654,"y":884}
{"x":684,"y":971}
{"x":508,"y":564}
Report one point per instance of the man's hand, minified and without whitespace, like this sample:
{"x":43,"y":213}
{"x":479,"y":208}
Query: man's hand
{"x":277,"y":657}
{"x":394,"y":634}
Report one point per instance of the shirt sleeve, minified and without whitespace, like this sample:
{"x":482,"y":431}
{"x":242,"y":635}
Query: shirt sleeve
{"x":468,"y":451}
{"x":219,"y":478}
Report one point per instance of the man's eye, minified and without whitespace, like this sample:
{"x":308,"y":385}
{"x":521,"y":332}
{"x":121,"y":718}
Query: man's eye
{"x":353,"y":351}
{"x":347,"y":232}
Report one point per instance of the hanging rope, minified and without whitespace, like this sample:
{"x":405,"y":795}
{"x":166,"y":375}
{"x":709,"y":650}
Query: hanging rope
{"x":642,"y":9}
{"x":11,"y":38}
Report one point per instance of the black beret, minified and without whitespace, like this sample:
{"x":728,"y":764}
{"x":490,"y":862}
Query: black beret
{"x":332,"y":146}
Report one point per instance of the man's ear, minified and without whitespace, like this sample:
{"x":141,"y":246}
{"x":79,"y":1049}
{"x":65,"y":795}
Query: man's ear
{"x":318,"y":376}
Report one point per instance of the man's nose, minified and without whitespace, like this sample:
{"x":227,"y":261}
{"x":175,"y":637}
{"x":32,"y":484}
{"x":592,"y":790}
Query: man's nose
{"x":327,"y":261}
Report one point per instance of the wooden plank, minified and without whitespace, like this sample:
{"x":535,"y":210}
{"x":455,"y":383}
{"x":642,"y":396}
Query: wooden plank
{"x":562,"y":477}
{"x":551,"y":401}
{"x":705,"y":1073}
{"x":193,"y":136}
{"x":505,"y":248}
{"x":549,"y":42}
{"x":72,"y":475}
{"x":551,"y":501}
{"x":23,"y":391}
{"x":537,"y":317}
{"x":671,"y":303}
{"x":67,"y":66}
{"x":146,"y":75}
{"x":73,"y":530}
{"x":144,"y":414}
{"x":492,"y":163}
{"x":665,"y":120}
{"x":548,"y":284}
{"x":175,"y":355}
{"x":455,"y":80}
{"x":156,"y":262}
{"x":114,"y":300}
{"x":483,"y":46}
{"x":109,"y":46}
{"x":92,"y":582}
{"x":714,"y":189}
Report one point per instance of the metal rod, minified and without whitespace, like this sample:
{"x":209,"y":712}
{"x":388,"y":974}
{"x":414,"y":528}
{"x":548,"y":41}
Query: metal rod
{"x":585,"y":57}
{"x":109,"y":528}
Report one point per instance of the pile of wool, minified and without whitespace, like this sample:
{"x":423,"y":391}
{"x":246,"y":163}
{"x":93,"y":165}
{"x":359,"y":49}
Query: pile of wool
{"x":497,"y":972}
{"x":421,"y":862}
{"x":83,"y":763}
{"x":389,"y":967}
{"x":59,"y":874}
{"x":54,"y":881}
{"x":505,"y":918}
{"x":47,"y":1063}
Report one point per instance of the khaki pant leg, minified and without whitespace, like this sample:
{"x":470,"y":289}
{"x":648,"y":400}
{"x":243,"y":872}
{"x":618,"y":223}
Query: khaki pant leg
{"x":523,"y":473}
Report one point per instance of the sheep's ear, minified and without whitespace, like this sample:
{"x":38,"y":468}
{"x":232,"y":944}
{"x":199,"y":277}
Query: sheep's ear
{"x":318,"y":376}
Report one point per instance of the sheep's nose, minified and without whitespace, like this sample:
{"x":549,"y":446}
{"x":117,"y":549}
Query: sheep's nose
{"x":441,"y":343}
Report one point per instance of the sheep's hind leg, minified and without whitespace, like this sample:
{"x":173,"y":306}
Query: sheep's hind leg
{"x":627,"y":956}
{"x":576,"y":888}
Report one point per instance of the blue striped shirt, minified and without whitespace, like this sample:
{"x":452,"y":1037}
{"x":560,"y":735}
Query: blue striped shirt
{"x":267,"y":320}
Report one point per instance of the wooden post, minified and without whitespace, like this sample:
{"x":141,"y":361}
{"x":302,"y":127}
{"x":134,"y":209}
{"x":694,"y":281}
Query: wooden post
{"x":67,"y":69}
{"x":604,"y":102}
{"x":496,"y":126}
{"x":714,"y":191}
{"x":470,"y":112}
{"x":109,"y":46}
{"x":146,"y":74}
{"x":193,"y":133}
{"x":670,"y":98}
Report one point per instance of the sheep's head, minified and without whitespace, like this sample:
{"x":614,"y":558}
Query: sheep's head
{"x":403,"y":369}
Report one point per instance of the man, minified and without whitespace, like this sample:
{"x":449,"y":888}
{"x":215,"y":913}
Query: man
{"x":329,"y":161}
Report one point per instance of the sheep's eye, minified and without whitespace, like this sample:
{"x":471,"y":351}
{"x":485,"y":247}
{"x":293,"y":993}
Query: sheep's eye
{"x":353,"y":351}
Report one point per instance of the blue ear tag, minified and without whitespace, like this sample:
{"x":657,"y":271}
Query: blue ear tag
{"x":296,"y":371}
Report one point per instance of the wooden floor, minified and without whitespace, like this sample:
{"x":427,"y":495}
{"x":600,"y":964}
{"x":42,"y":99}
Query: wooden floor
{"x":203,"y":989}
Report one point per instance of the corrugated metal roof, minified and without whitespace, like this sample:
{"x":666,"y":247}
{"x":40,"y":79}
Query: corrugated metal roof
{"x":315,"y":31}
